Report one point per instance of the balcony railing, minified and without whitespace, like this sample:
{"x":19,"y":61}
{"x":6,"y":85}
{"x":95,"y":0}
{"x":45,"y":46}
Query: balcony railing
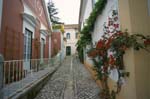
{"x":14,"y":70}
{"x":18,"y":74}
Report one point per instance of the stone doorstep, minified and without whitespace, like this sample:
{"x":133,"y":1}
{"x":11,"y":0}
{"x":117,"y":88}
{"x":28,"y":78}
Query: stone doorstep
{"x":24,"y":92}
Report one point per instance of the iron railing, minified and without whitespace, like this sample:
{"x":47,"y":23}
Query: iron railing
{"x":14,"y":70}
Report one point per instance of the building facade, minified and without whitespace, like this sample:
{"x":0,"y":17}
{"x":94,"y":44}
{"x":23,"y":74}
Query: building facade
{"x":134,"y":16}
{"x":71,"y":35}
{"x":25,"y":30}
{"x":56,"y":43}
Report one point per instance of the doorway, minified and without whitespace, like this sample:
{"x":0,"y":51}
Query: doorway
{"x":27,"y":49}
{"x":68,"y":50}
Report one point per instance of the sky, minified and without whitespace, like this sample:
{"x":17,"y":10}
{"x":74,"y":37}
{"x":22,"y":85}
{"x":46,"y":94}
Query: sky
{"x":68,"y":10}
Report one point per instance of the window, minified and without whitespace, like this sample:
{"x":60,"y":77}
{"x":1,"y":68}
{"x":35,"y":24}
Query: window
{"x":27,"y":44}
{"x":68,"y":36}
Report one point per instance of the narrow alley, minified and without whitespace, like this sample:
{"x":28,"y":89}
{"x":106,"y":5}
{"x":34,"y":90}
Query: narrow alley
{"x":70,"y":81}
{"x":43,"y":44}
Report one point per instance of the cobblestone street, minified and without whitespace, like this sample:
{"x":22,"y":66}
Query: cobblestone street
{"x":70,"y":81}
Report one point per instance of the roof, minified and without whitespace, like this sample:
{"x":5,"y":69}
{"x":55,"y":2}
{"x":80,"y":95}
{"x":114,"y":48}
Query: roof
{"x":81,"y":12}
{"x":71,"y":26}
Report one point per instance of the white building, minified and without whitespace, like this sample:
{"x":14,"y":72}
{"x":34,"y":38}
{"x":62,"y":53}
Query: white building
{"x":134,"y":16}
{"x":71,"y":35}
{"x":86,"y":8}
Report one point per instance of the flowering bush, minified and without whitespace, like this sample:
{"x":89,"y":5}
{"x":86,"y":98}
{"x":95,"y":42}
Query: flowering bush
{"x":109,"y":52}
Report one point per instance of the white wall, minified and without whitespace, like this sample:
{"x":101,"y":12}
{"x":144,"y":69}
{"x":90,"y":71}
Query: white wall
{"x":63,"y":51}
{"x":88,"y":10}
{"x":98,"y":29}
{"x":73,"y":40}
{"x":1,"y":8}
{"x":85,"y":14}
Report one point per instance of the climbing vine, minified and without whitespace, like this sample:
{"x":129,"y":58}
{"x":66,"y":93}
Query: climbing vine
{"x":108,"y":53}
{"x":88,"y":28}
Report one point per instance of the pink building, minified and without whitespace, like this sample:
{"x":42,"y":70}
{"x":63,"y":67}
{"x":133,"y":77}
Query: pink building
{"x":24,"y":30}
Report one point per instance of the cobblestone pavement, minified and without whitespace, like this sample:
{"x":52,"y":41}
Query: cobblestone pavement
{"x":70,"y":81}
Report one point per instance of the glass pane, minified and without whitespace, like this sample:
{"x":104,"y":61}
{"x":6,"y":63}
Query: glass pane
{"x":27,"y":44}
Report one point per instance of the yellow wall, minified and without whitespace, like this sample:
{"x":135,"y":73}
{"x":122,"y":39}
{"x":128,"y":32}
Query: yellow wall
{"x":134,"y":17}
{"x":93,"y":73}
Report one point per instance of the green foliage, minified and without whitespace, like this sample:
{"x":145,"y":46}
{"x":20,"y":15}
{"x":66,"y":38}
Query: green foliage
{"x":117,"y":44}
{"x":88,"y":28}
{"x":97,"y":66}
{"x":59,"y":27}
{"x":53,"y":13}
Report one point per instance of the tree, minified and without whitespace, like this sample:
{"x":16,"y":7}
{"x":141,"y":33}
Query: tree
{"x":53,"y":12}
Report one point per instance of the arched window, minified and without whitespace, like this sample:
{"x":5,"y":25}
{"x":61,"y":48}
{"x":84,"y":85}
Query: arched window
{"x":68,"y":36}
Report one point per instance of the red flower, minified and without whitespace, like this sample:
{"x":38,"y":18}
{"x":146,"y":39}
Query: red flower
{"x":116,"y":25}
{"x":93,"y":53}
{"x":120,"y":33}
{"x":101,"y":53}
{"x":147,"y":42}
{"x":105,"y":68}
{"x":111,"y":60}
{"x":100,"y":44}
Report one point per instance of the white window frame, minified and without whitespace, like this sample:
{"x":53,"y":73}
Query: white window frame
{"x":43,"y":35}
{"x":29,"y":19}
{"x":26,"y":41}
{"x":68,"y":36}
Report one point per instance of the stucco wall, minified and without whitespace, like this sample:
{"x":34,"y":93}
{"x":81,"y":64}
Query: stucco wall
{"x":86,"y":13}
{"x":73,"y":40}
{"x":55,"y":43}
{"x":11,"y":19}
{"x":140,"y":22}
{"x":13,"y":25}
{"x":38,"y":9}
{"x":98,"y":28}
{"x":134,"y":17}
{"x":1,"y":7}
